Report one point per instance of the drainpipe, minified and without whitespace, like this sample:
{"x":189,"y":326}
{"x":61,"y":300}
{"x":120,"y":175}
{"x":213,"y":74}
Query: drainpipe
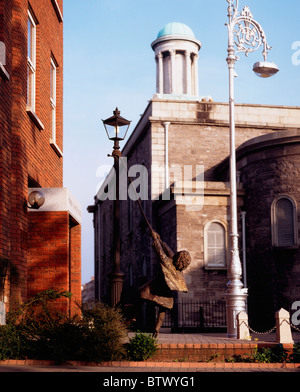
{"x":166,"y":126}
{"x":243,"y":216}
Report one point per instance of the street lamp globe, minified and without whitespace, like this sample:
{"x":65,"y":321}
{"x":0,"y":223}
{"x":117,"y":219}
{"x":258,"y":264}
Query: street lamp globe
{"x":265,"y":69}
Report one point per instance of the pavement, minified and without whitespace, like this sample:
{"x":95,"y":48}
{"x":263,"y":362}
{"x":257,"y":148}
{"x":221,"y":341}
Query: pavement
{"x":214,"y":338}
{"x":146,"y":368}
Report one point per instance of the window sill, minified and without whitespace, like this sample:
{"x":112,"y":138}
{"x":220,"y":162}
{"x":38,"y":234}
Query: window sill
{"x":34,"y":118}
{"x":293,"y":247}
{"x":56,"y":148}
{"x":214,"y":268}
{"x":4,"y":74}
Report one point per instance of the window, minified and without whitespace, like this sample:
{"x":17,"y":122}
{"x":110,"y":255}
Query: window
{"x":53,"y":103}
{"x":215,"y":245}
{"x":57,"y":10}
{"x":3,"y":73}
{"x":31,"y":70}
{"x":284,"y":222}
{"x":53,"y":99}
{"x":31,"y":61}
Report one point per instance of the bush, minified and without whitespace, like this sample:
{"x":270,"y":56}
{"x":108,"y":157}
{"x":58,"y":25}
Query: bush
{"x":275,"y":354}
{"x":296,"y":353}
{"x":141,"y":347}
{"x":105,"y":333}
{"x":38,"y":332}
{"x":12,"y":342}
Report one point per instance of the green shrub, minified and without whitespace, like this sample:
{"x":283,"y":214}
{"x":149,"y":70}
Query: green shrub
{"x":141,"y":347}
{"x":296,"y":353}
{"x":64,"y":341}
{"x":13,"y":343}
{"x":37,"y":331}
{"x":105,"y":331}
{"x":275,"y":354}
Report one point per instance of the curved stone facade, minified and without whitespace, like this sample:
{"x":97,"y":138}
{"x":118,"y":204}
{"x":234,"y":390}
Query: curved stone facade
{"x":269,"y":167}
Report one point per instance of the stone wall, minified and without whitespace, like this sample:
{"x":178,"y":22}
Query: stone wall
{"x":269,"y":168}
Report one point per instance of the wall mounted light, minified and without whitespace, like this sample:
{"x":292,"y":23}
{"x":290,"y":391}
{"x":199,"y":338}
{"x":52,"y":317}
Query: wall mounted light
{"x":35,"y":200}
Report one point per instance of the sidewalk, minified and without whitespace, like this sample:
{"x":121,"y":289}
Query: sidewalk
{"x":217,"y":338}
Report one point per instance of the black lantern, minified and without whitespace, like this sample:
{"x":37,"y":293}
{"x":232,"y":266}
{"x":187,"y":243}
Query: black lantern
{"x":116,"y":126}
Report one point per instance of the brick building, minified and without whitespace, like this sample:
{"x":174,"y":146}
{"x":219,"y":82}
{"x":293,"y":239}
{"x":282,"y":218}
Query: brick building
{"x":42,"y":245}
{"x":182,"y":140}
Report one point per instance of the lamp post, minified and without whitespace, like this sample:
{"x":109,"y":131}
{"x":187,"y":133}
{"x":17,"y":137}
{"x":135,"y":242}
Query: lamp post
{"x":116,"y":128}
{"x":244,"y":35}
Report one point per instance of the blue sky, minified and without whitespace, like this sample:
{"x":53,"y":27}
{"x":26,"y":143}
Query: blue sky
{"x":109,"y":62}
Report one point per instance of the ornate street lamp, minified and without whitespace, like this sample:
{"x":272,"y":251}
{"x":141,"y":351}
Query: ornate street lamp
{"x":116,"y":128}
{"x":244,"y":35}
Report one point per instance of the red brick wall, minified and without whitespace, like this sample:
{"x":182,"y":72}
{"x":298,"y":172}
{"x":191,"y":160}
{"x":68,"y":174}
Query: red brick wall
{"x":25,"y":150}
{"x":54,"y":257}
{"x":43,"y":163}
{"x":75,"y":266}
{"x":5,"y":125}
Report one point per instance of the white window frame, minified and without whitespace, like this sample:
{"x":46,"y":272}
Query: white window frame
{"x":3,"y":73}
{"x":53,"y":99}
{"x":31,"y":63}
{"x":274,"y":223}
{"x":53,"y":103}
{"x":206,"y":262}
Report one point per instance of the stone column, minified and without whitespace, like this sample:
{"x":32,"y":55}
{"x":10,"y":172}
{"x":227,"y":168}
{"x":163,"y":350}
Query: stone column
{"x":157,"y":74}
{"x":196,"y":75}
{"x":173,"y":71}
{"x":188,"y":75}
{"x":160,"y":74}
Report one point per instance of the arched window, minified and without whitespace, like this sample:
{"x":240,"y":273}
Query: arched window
{"x":284,"y":222}
{"x":215,"y":245}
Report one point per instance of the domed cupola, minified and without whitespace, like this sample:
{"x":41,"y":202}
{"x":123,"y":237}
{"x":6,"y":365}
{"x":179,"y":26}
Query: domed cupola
{"x":176,"y":53}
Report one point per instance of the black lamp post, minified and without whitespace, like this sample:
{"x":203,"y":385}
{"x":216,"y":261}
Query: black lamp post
{"x":116,"y":128}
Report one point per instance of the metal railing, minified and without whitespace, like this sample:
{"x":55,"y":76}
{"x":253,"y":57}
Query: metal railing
{"x":202,"y":315}
{"x":196,"y":315}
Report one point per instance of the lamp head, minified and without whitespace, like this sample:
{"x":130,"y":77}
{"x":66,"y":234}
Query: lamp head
{"x":35,"y":200}
{"x":265,"y":69}
{"x":116,"y":126}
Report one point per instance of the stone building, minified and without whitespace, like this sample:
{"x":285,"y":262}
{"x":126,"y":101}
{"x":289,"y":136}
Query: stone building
{"x":88,"y":292}
{"x":39,"y":247}
{"x":181,"y":143}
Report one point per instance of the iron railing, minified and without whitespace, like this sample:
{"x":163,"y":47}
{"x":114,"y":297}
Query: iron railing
{"x":196,"y":315}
